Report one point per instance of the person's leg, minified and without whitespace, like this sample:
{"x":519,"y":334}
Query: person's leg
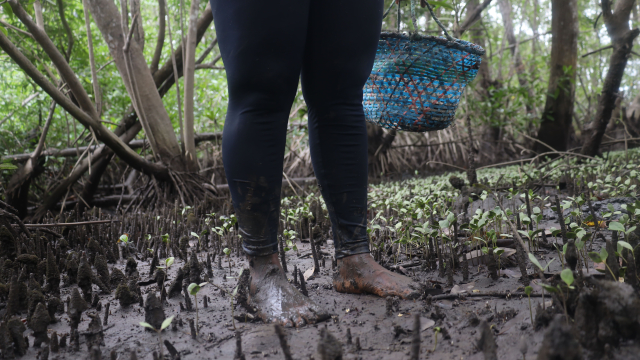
{"x":262,"y":44}
{"x":341,"y":43}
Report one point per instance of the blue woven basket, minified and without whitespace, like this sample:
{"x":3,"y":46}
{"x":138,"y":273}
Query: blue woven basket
{"x":417,"y":81}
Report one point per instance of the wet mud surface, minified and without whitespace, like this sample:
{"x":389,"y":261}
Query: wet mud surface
{"x":362,"y":326}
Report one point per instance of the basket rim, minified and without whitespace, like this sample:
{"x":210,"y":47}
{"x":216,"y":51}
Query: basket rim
{"x":457,"y":44}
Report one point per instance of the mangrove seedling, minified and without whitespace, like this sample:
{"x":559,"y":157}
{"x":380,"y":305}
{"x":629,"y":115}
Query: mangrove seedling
{"x":601,"y":258}
{"x":498,"y":252}
{"x":535,"y":262}
{"x":167,"y":264}
{"x":528,"y":290}
{"x":567,"y":276}
{"x":165,"y":324}
{"x":124,"y":239}
{"x":227,"y":252}
{"x":436,"y":330}
{"x":193,"y":289}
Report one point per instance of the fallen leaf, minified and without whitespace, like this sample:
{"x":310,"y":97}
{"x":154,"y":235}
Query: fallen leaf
{"x":426,"y":323}
{"x":308,"y":275}
{"x":457,"y":289}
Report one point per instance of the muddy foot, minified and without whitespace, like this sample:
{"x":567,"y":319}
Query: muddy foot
{"x":278,"y":301}
{"x":361,"y":274}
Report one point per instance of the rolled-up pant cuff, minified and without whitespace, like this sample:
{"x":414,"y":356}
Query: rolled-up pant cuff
{"x":259,"y":250}
{"x":361,"y":247}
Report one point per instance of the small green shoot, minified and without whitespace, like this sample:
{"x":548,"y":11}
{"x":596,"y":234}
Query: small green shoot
{"x":227,"y":252}
{"x":528,"y":290}
{"x":601,"y":258}
{"x":193,"y":289}
{"x":165,"y":324}
{"x":124,"y":238}
{"x":436,"y":330}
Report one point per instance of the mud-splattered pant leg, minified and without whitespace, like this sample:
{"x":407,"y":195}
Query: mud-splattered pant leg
{"x":265,"y":45}
{"x":339,"y":53}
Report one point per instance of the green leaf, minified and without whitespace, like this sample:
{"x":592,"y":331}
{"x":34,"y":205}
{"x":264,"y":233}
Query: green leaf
{"x":235,"y":291}
{"x":528,"y":290}
{"x":8,"y":10}
{"x":4,"y":31}
{"x":595,"y":257}
{"x":227,"y":251}
{"x":124,"y":238}
{"x":549,"y":288}
{"x":6,"y":166}
{"x":166,"y":322}
{"x":193,"y":288}
{"x":624,"y":244}
{"x":567,"y":276}
{"x":147,"y":325}
{"x":535,"y":261}
{"x":604,"y":254}
{"x":195,"y":235}
{"x":169,"y":261}
{"x":616,"y":226}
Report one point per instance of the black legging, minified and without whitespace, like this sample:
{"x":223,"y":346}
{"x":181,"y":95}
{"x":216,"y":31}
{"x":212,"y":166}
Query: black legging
{"x":266,"y":45}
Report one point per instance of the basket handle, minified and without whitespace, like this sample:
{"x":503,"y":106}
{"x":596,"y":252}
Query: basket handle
{"x":413,"y":17}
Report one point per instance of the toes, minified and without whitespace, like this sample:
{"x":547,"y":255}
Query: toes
{"x":300,"y":321}
{"x":314,"y":316}
{"x":287,"y":323}
{"x":413,"y":295}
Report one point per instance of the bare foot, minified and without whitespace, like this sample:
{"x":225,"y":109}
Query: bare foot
{"x":361,"y":274}
{"x":278,"y":301}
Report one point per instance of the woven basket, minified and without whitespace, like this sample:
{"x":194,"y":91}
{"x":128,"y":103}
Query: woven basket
{"x":417,"y":81}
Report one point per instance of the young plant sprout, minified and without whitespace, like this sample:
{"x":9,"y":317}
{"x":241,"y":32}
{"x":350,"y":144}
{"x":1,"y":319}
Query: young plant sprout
{"x":601,"y":258}
{"x":436,"y":330}
{"x":167,"y":264}
{"x":498,"y":252}
{"x":535,"y":262}
{"x":196,"y":236}
{"x":227,"y":252}
{"x":124,"y":238}
{"x":528,"y":290}
{"x":165,"y":324}
{"x":193,"y":289}
{"x":567,"y":276}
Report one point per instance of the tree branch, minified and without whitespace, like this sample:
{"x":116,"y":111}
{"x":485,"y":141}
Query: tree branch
{"x":175,"y":76}
{"x":161,"y":32}
{"x":206,"y":51}
{"x":58,"y":60}
{"x":134,"y":144}
{"x":165,"y":73}
{"x":103,"y":134}
{"x":9,"y":26}
{"x":67,"y":29}
{"x":472,"y":18}
{"x":189,"y":87}
{"x":37,"y":8}
{"x":139,"y":32}
{"x":45,"y":130}
{"x":155,"y":119}
{"x":97,"y":93}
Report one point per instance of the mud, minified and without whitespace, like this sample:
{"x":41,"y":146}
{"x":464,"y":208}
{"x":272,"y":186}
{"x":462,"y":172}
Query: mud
{"x":96,"y":310}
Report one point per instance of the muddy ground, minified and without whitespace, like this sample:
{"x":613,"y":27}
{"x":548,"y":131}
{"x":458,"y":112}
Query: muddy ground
{"x":380,"y":334}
